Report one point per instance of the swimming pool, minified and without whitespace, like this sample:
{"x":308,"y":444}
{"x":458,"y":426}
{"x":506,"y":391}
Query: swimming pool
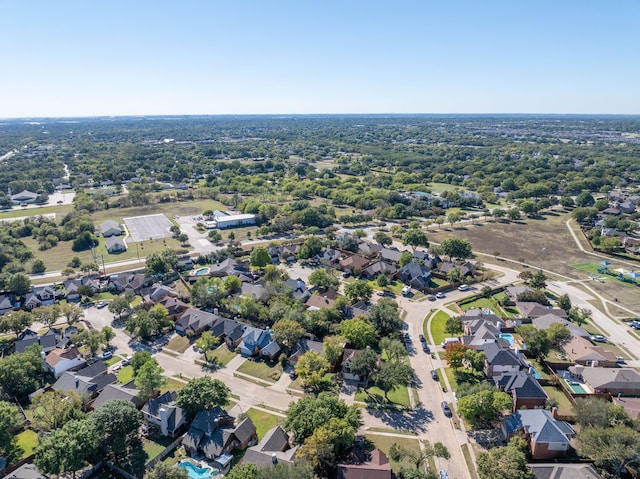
{"x":197,"y":473}
{"x":509,"y":338}
{"x":535,"y":373}
{"x":202,"y":271}
{"x":577,"y":388}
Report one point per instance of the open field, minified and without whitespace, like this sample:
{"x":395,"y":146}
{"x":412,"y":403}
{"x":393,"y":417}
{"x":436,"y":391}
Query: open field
{"x":525,"y":241}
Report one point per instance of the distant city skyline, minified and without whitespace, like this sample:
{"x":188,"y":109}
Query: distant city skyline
{"x":118,"y":58}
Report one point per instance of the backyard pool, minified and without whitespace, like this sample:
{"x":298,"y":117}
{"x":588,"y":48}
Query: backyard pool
{"x":535,"y":373}
{"x":196,"y":472}
{"x":202,"y":272}
{"x":577,"y":388}
{"x":508,"y":338}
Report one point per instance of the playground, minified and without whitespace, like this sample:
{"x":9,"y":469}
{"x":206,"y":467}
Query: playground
{"x":601,"y":271}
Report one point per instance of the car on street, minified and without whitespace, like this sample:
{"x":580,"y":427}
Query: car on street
{"x":635,"y":324}
{"x":434,"y":375}
{"x":101,"y":304}
{"x":444,"y":475}
{"x":431,"y":297}
{"x":126,"y":361}
{"x":421,"y":336}
{"x":620,"y":359}
{"x":425,"y":348}
{"x":440,"y":295}
{"x":106,"y":355}
{"x":598,"y":338}
{"x":463,"y":287}
{"x":446,"y":409}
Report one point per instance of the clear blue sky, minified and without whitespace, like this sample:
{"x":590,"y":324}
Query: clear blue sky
{"x":128,"y":57}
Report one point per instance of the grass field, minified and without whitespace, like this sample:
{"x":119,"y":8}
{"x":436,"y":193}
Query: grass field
{"x":482,"y":303}
{"x":263,"y":421}
{"x":125,"y":374}
{"x":172,"y":385}
{"x":261,"y":370}
{"x":437,"y":327}
{"x":398,"y":396}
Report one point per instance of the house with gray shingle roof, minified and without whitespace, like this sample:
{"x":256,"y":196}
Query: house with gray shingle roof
{"x":90,"y":380}
{"x":195,"y":321}
{"x":547,"y":437}
{"x":625,"y":381}
{"x":126,"y":392}
{"x":564,"y":471}
{"x":163,"y":413}
{"x":415,"y":274}
{"x":500,"y":361}
{"x":212,"y":434}
{"x":111,"y":228}
{"x":525,"y":390}
{"x":115,"y":245}
{"x":273,"y":448}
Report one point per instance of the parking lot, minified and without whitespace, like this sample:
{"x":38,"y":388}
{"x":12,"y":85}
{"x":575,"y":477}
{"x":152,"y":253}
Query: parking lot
{"x":142,"y":228}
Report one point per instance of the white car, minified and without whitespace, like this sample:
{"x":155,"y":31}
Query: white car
{"x":598,"y":338}
{"x":440,"y":295}
{"x":463,"y":287}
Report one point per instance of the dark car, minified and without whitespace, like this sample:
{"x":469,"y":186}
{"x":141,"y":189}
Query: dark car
{"x":425,"y":348}
{"x":422,"y":338}
{"x":434,"y":374}
{"x":445,"y":409}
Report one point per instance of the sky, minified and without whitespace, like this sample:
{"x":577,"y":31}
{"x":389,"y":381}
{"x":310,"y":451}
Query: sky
{"x":153,"y":57}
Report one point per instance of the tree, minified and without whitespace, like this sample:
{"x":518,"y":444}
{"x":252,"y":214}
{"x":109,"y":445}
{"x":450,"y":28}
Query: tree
{"x":358,"y":332}
{"x":538,"y":280}
{"x":385,"y":317}
{"x":564,"y":302}
{"x":332,"y":348}
{"x":327,"y":442}
{"x":19,"y":284}
{"x":139,"y":359}
{"x":585,"y":199}
{"x":383,"y":279}
{"x":68,"y":272}
{"x":72,"y":313}
{"x":513,"y":214}
{"x":15,"y":321}
{"x":149,"y":378}
{"x":364,"y":364}
{"x":119,"y":305}
{"x":382,"y":238}
{"x":202,"y":394}
{"x":259,"y":257}
{"x":454,"y":354}
{"x":66,"y":450}
{"x":116,"y":425}
{"x":47,"y":315}
{"x":537,"y":340}
{"x":528,"y":207}
{"x":323,"y":280}
{"x":393,"y":348}
{"x":107,"y":335}
{"x":509,"y":462}
{"x":206,"y":342}
{"x":454,"y":275}
{"x":38,"y":267}
{"x":405,"y":258}
{"x":392,"y":374}
{"x":558,"y":333}
{"x":358,"y":290}
{"x":164,"y":471}
{"x":567,"y":202}
{"x":580,"y":315}
{"x":456,"y":248}
{"x":297,"y":470}
{"x":21,"y":373}
{"x":246,"y":470}
{"x":483,"y":408}
{"x":10,"y":420}
{"x":475,"y":359}
{"x":414,"y":238}
{"x":51,"y":409}
{"x":309,"y":413}
{"x":595,"y":412}
{"x":525,"y":276}
{"x":453,"y":217}
{"x":311,"y":367}
{"x":453,"y":326}
{"x":613,"y":447}
{"x":534,"y":296}
{"x":287,"y":332}
{"x":161,"y":264}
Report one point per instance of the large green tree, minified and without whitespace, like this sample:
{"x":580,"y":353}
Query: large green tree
{"x":311,"y":368}
{"x":611,"y":447}
{"x":358,"y":332}
{"x":385,"y":317}
{"x":202,"y":394}
{"x":456,"y":248}
{"x":287,"y":332}
{"x":10,"y":420}
{"x":358,"y":290}
{"x":414,"y":238}
{"x":508,"y":462}
{"x":485,"y":407}
{"x":21,"y":373}
{"x":259,"y":257}
{"x":116,"y":426}
{"x":163,"y":470}
{"x":149,"y":379}
{"x":364,"y":364}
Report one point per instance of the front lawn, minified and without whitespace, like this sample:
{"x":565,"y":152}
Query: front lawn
{"x":437,"y":327}
{"x":222,"y":355}
{"x":373,"y":394}
{"x":269,"y":372}
{"x":384,"y":443}
{"x":179,"y":344}
{"x":125,"y":374}
{"x":481,"y":303}
{"x":263,"y":421}
{"x":172,"y":385}
{"x":112,"y":360}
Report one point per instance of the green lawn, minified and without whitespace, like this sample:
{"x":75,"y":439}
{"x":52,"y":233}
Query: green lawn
{"x":222,"y":355}
{"x":111,"y":361}
{"x":565,"y":408}
{"x":437,"y":282}
{"x":263,"y":421}
{"x":261,"y":370}
{"x":452,"y":378}
{"x":384,"y":443}
{"x":592,"y":268}
{"x":155,"y":446}
{"x":437,"y":327}
{"x":482,"y":303}
{"x":27,"y":440}
{"x":398,"y":396}
{"x":172,"y":385}
{"x":125,"y":374}
{"x":179,"y":344}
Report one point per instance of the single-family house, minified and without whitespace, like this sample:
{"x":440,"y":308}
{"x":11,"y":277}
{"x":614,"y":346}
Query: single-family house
{"x":525,"y":390}
{"x":163,"y":413}
{"x":375,"y":465}
{"x":547,"y":437}
{"x":415,"y":274}
{"x":157,"y":292}
{"x":195,"y":321}
{"x":7,"y":303}
{"x":60,"y":360}
{"x":275,"y":447}
{"x":500,"y":361}
{"x":111,"y":228}
{"x":71,"y":287}
{"x":514,"y":291}
{"x":316,"y":302}
{"x":531,"y":309}
{"x":331,"y":256}
{"x":472,"y":322}
{"x":486,"y":333}
{"x":227,"y":267}
{"x":256,"y":290}
{"x":115,"y":245}
{"x":304,"y":346}
{"x":627,"y":207}
{"x":582,"y":352}
{"x":467,"y":268}
{"x":631,"y":405}
{"x":133,"y":282}
{"x":369,"y":249}
{"x":353,"y":264}
{"x":624,"y":381}
{"x":253,"y":340}
{"x":378,"y":267}
{"x":390,"y":255}
{"x":24,"y":196}
{"x":48,"y":341}
{"x":175,"y":306}
{"x":347,"y":357}
{"x":125,"y":392}
{"x":556,"y":470}
{"x":88,"y":381}
{"x":544,"y":322}
{"x":228,"y":328}
{"x":300,"y":291}
{"x":39,"y":296}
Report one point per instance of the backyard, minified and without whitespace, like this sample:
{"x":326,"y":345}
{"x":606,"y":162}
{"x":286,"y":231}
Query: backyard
{"x":565,"y":407}
{"x":373,"y":394}
{"x":154,"y":446}
{"x":263,"y":421}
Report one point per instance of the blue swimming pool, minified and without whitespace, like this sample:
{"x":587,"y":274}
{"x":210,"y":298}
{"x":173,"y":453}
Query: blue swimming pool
{"x":508,"y":338}
{"x":202,"y":272}
{"x":197,"y":473}
{"x":535,"y":373}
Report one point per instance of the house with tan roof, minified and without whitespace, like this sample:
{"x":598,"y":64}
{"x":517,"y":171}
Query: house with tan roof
{"x":60,"y":360}
{"x":581,"y":351}
{"x":625,"y":381}
{"x":360,"y":466}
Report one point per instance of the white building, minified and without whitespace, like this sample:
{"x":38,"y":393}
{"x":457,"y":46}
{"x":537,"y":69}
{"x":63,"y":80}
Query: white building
{"x":231,"y":221}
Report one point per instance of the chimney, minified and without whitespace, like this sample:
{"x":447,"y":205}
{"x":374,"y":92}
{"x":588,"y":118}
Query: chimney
{"x":274,"y":459}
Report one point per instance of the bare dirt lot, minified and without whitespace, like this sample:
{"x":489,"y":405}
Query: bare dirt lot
{"x":544,"y":242}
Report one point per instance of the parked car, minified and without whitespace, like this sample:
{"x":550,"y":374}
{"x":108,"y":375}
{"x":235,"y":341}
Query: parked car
{"x":620,"y":359}
{"x":425,"y":348}
{"x":106,"y":355}
{"x":444,"y":475}
{"x":431,"y":297}
{"x":406,"y":290}
{"x":101,"y":304}
{"x":126,"y":361}
{"x":434,"y":375}
{"x":407,"y":338}
{"x":598,"y":338}
{"x":446,"y":409}
{"x":440,"y":295}
{"x":463,"y":287}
